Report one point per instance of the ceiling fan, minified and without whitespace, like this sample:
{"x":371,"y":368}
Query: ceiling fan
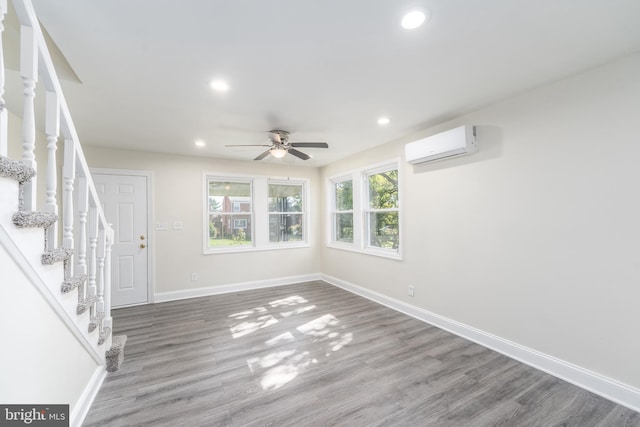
{"x":280,"y":146}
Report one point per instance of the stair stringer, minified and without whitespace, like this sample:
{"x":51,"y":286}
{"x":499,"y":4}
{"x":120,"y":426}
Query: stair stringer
{"x":26,"y":247}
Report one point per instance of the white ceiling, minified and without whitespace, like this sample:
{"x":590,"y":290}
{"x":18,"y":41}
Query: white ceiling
{"x":324,"y":70}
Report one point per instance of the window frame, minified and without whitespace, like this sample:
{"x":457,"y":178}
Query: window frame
{"x":304,"y":213}
{"x":367,"y":209}
{"x":231,"y":213}
{"x":361,"y":209}
{"x":259,"y":213}
{"x":334,"y":211}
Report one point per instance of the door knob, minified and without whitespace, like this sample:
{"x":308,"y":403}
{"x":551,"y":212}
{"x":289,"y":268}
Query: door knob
{"x":142,"y":246}
{"x":142,"y":237}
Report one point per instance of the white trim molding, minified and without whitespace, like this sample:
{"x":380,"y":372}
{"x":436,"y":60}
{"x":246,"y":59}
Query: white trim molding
{"x":608,"y":388}
{"x":234,"y":287}
{"x":151,"y":283}
{"x":82,"y":406}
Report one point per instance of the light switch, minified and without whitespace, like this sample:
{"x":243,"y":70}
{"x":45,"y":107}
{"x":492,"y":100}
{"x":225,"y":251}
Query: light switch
{"x":162,"y":226}
{"x":178,"y":225}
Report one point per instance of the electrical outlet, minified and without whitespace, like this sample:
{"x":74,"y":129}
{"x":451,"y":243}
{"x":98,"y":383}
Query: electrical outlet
{"x":194,"y":277}
{"x":411,"y":290}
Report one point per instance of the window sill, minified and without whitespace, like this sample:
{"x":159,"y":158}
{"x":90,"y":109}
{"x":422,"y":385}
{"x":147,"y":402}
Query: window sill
{"x":382,"y":253}
{"x":270,"y":247}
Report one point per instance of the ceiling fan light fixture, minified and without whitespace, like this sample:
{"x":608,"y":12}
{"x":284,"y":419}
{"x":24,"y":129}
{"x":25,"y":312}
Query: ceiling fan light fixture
{"x":219,"y":85}
{"x":278,"y":152}
{"x":414,"y":19}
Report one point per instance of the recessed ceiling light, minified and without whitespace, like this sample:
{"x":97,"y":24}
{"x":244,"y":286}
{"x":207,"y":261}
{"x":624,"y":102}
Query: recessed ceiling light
{"x":384,"y":120}
{"x":200,"y":143}
{"x":414,"y":19}
{"x":219,"y":85}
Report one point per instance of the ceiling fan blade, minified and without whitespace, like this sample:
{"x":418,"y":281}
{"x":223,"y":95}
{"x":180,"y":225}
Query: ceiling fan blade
{"x":248,"y":145}
{"x":263,"y":155}
{"x":299,"y":154}
{"x":275,"y":137}
{"x":310,"y":144}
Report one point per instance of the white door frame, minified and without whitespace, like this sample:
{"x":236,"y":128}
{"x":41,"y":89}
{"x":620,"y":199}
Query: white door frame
{"x":151,"y":283}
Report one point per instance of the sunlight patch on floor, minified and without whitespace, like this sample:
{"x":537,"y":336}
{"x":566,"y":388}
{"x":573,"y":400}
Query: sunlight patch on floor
{"x":245,"y":328}
{"x":318,"y":327}
{"x":279,"y":368}
{"x":298,"y":310}
{"x":280,"y":339}
{"x":324,"y":337}
{"x":244,"y":314}
{"x":288,"y":301}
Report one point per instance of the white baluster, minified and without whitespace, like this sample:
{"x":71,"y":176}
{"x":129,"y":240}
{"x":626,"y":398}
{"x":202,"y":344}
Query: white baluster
{"x":109,"y":237}
{"x":100,"y":278}
{"x":29,"y":74}
{"x":83,"y":208}
{"x":4,"y":144}
{"x":68,"y":175}
{"x":52,"y":129}
{"x":93,"y":255}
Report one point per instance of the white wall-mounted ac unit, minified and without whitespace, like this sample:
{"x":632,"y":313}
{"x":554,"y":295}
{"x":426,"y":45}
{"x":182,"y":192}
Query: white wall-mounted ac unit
{"x":452,"y":143}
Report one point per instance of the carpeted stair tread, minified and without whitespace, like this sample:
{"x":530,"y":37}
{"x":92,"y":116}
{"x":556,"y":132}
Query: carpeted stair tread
{"x":33,"y":219}
{"x":15,"y":170}
{"x":56,"y":255}
{"x":105,"y":334}
{"x":115,"y":355}
{"x":95,"y":322}
{"x":70,"y":284}
{"x":84,"y":305}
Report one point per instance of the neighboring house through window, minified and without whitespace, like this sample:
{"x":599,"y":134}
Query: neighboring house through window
{"x":230,"y":214}
{"x":236,"y":222}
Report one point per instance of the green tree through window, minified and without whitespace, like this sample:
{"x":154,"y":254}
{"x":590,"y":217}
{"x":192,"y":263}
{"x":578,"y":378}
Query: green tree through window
{"x":343,"y":212}
{"x":382,"y":211}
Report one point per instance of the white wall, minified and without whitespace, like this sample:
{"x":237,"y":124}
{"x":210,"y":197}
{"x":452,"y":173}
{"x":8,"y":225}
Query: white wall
{"x":41,"y":362}
{"x":535,"y":238}
{"x":178,"y":195}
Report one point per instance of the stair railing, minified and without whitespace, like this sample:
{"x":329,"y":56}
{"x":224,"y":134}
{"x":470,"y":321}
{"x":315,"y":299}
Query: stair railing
{"x":84,"y":229}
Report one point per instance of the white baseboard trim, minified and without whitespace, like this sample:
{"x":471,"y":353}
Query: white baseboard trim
{"x":608,"y":388}
{"x":82,"y":406}
{"x":233,"y":287}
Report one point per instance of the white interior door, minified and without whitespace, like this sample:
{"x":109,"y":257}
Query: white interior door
{"x":124,"y":200}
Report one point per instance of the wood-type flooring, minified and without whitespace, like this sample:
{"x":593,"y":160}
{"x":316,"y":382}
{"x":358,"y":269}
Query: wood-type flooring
{"x":315,"y":355}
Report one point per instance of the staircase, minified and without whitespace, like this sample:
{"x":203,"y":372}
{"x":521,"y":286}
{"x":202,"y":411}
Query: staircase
{"x":60,"y":239}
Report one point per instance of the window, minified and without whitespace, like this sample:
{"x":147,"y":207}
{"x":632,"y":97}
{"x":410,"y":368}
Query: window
{"x":230,"y":213}
{"x":286,"y":217}
{"x":365,"y":211}
{"x":342,"y":214}
{"x":381,"y":211}
{"x":254,"y":213}
{"x":239,"y":223}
